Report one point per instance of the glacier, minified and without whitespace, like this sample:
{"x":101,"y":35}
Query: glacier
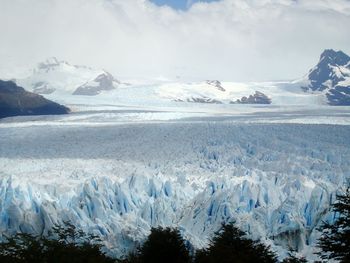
{"x":325,"y":84}
{"x":116,"y":176}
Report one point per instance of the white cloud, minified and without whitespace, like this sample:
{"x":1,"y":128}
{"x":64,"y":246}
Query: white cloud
{"x":229,"y":39}
{"x":189,"y":3}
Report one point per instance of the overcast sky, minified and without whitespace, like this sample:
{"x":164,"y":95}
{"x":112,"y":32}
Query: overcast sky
{"x":179,"y":4}
{"x":238,"y":40}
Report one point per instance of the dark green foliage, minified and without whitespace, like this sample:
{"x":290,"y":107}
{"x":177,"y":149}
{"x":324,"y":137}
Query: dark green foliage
{"x":230,"y":245}
{"x":335,"y":240}
{"x":294,"y":259}
{"x":163,"y":245}
{"x":131,"y":258}
{"x":63,"y":244}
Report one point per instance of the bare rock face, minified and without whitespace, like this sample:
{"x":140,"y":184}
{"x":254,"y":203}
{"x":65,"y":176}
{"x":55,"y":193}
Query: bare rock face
{"x":324,"y":72}
{"x":331,"y":75}
{"x":257,"y":98}
{"x":102,"y":82}
{"x":216,"y":84}
{"x":15,"y":101}
{"x":204,"y":100}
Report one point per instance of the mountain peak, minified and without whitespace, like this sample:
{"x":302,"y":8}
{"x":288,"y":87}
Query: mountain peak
{"x":330,"y":56}
{"x":331,"y":75}
{"x":16,"y":101}
{"x":54,"y":74}
{"x":50,"y":62}
{"x":326,"y":71}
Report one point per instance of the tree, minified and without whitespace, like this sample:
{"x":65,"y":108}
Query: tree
{"x":230,"y":245}
{"x":335,"y":240}
{"x":21,"y":248}
{"x":63,"y":244}
{"x":294,"y":259}
{"x":162,"y":245}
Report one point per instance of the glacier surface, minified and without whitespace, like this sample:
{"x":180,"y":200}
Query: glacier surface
{"x":118,"y":173}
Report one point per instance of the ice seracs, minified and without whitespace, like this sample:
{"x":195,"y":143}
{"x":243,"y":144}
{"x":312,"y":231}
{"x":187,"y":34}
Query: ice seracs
{"x":116,"y":181}
{"x":177,"y":164}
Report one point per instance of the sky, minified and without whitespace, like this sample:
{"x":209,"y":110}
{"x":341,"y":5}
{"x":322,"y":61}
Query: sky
{"x":228,"y":40}
{"x":179,"y":4}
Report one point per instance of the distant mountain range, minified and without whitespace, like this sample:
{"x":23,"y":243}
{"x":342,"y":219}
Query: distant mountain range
{"x":326,"y":83}
{"x":15,"y":101}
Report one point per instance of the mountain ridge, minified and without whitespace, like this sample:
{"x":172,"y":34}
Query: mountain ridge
{"x":58,"y":76}
{"x":331,"y":76}
{"x":15,"y":101}
{"x":328,"y":82}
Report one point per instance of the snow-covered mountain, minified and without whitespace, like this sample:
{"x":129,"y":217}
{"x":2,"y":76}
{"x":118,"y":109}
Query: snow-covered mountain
{"x":331,"y":76}
{"x":139,"y":156}
{"x":227,"y":92}
{"x":327,"y":83}
{"x":210,"y":91}
{"x":61,"y":82}
{"x":59,"y":77}
{"x":103,"y":82}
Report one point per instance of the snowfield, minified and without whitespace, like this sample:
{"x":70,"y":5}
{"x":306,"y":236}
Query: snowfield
{"x":118,"y":170}
{"x":181,"y":94}
{"x":73,"y":85}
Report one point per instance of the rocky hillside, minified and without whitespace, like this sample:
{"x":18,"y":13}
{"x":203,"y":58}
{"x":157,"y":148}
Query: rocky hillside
{"x":103,"y":82}
{"x":257,"y":98}
{"x":14,"y":101}
{"x":331,"y":76}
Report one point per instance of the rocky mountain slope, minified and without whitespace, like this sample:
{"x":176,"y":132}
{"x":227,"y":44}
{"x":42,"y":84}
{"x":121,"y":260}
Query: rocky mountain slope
{"x":331,"y":76}
{"x":257,"y":98}
{"x":14,"y":101}
{"x":103,"y":82}
{"x":328,"y":83}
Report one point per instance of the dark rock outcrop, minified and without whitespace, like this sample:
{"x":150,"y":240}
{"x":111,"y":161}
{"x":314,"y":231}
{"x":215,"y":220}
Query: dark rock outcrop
{"x":216,"y":84}
{"x":332,"y":76}
{"x":102,"y":82}
{"x":15,"y":101}
{"x":257,"y":98}
{"x":324,"y":71}
{"x":339,"y":96}
{"x":204,"y":100}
